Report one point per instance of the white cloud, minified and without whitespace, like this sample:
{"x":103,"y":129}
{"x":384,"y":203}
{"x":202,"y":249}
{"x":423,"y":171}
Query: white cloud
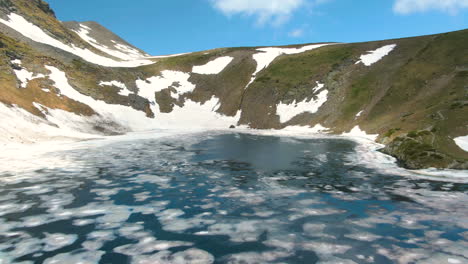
{"x":413,"y":6}
{"x":296,"y":33}
{"x":274,"y":11}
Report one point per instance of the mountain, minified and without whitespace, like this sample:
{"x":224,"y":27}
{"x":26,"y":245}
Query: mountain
{"x":79,"y":80}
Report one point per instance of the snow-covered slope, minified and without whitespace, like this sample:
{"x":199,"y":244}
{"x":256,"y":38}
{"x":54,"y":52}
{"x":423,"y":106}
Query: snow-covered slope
{"x":106,"y":41}
{"x":29,"y":30}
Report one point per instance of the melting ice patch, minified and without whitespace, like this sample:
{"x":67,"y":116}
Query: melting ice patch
{"x":213,"y":67}
{"x":374,"y":56}
{"x":35,"y":33}
{"x":287,"y":111}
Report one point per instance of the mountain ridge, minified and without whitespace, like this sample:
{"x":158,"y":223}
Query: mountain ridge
{"x":411,"y":92}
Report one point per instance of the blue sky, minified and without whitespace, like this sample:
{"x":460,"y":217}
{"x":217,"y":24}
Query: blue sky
{"x":176,"y":26}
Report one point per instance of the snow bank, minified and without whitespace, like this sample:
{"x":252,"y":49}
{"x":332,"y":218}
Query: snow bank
{"x":213,"y":67}
{"x":358,"y":133}
{"x":35,"y":33}
{"x":120,"y":51}
{"x":462,"y":142}
{"x":24,"y":76}
{"x":287,"y":112}
{"x":374,"y":56}
{"x":123,"y":88}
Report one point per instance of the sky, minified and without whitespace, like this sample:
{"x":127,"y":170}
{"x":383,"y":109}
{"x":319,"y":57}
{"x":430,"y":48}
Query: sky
{"x":162,"y":27}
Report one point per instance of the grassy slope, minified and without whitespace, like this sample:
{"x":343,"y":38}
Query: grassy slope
{"x":421,"y":85}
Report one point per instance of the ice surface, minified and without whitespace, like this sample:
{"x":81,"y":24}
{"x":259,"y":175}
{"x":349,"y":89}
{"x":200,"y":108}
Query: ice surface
{"x":195,"y":200}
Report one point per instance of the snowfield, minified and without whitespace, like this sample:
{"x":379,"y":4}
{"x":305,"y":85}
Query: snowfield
{"x":35,"y":33}
{"x":213,"y":67}
{"x":374,"y":56}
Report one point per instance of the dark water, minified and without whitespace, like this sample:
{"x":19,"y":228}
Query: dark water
{"x":227,"y":198}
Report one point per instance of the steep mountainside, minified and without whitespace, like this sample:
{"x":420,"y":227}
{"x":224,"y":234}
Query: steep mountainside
{"x":76,"y":79}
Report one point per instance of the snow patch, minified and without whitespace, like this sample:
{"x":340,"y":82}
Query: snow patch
{"x":24,"y":76}
{"x":287,"y":112}
{"x":178,"y":80}
{"x":35,"y":33}
{"x":268,"y":55}
{"x":462,"y":142}
{"x":123,"y":88}
{"x":213,"y":67}
{"x":374,"y":56}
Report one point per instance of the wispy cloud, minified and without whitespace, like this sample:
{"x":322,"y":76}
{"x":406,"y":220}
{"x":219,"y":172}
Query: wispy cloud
{"x":296,"y":33}
{"x":266,"y":11}
{"x":413,"y":6}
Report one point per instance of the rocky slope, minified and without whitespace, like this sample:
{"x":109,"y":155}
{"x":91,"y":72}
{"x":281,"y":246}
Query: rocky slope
{"x":76,"y":79}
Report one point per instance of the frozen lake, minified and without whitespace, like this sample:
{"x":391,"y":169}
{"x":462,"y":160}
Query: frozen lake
{"x":226,"y":197}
